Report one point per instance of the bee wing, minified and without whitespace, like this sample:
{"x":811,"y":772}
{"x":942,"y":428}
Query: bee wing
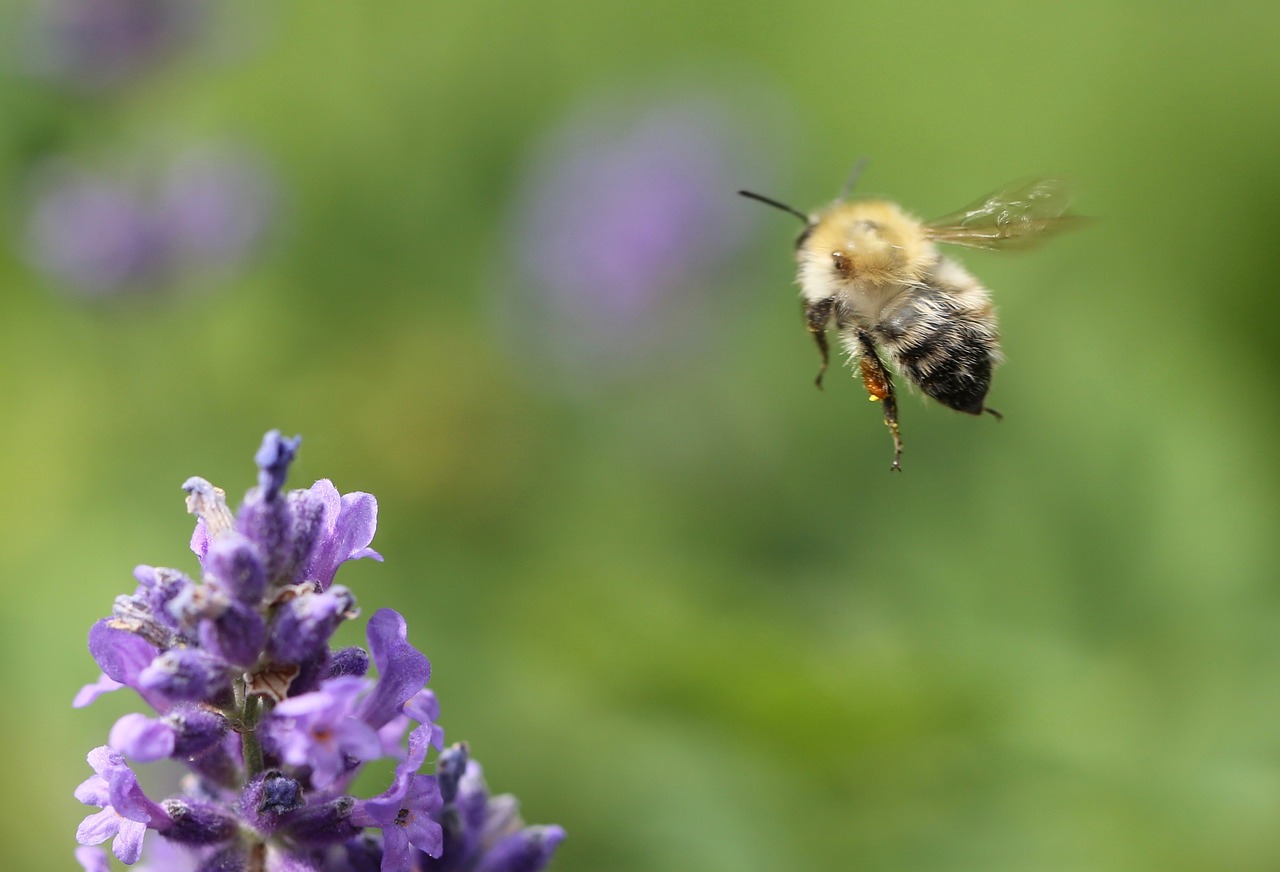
{"x":1019,"y":215}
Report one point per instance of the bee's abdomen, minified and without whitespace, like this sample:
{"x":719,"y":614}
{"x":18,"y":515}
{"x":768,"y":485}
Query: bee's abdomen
{"x":946,"y":348}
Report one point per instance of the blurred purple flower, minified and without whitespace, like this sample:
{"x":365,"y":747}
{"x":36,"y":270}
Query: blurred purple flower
{"x":95,"y":234}
{"x":97,"y":45}
{"x":625,"y":225}
{"x":217,"y":204}
{"x":100,"y":234}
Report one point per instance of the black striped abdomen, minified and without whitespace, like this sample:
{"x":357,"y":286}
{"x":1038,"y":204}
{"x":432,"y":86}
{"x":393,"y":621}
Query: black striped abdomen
{"x":945,"y":347}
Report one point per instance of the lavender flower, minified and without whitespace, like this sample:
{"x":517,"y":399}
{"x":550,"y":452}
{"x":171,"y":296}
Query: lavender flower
{"x":484,"y":833}
{"x":96,"y":45}
{"x":272,"y":723}
{"x":94,"y":234}
{"x":99,"y":233}
{"x":624,"y":229}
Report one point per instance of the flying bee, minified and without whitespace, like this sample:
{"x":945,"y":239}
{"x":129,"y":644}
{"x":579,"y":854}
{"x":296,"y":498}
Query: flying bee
{"x":875,"y":271}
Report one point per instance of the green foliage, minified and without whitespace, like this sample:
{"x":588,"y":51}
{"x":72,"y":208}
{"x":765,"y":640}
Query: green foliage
{"x":690,"y":615}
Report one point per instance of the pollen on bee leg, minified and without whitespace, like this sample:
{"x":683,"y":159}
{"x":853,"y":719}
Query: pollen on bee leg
{"x":874,"y":379}
{"x":879,"y":385}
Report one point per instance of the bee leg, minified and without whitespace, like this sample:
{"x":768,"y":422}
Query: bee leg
{"x":816,"y":317}
{"x":993,"y":412}
{"x":879,"y":385}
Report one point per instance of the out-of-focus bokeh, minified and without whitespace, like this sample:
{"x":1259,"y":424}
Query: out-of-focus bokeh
{"x":487,"y":258}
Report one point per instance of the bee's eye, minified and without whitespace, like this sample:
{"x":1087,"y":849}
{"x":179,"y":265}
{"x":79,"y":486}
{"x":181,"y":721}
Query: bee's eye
{"x":842,"y":263}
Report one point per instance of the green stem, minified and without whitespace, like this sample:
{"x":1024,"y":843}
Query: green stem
{"x":250,"y":745}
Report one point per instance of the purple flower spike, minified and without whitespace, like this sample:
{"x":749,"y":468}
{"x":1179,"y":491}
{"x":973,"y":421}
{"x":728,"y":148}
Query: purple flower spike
{"x":402,"y":668}
{"x":274,"y":725}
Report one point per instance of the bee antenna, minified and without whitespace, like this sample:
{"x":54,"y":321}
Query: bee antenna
{"x":775,"y":204}
{"x":854,"y":175}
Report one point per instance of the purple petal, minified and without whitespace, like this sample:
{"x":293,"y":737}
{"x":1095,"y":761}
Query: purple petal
{"x":143,"y":739}
{"x":120,"y":654}
{"x":128,"y":798}
{"x":337,"y":695}
{"x":93,"y":859}
{"x":200,"y":540}
{"x":529,"y":850}
{"x":128,"y":844}
{"x":419,"y":741}
{"x":94,"y":790}
{"x":390,"y":734}
{"x":345,"y":533}
{"x":279,"y":861}
{"x":402,"y":668}
{"x":423,"y":707}
{"x":103,"y":759}
{"x":359,"y":740}
{"x":425,"y":834}
{"x":98,"y":827}
{"x":396,"y":853}
{"x":90,"y":692}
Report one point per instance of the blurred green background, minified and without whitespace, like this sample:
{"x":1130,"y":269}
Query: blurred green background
{"x":673,"y":597}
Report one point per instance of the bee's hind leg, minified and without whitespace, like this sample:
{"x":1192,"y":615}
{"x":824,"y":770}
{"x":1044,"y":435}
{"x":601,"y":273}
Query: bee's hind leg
{"x":879,"y":385}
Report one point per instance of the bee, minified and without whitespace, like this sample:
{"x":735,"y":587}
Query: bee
{"x":875,"y":271}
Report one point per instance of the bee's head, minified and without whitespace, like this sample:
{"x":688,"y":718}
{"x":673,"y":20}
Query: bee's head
{"x":864,"y":246}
